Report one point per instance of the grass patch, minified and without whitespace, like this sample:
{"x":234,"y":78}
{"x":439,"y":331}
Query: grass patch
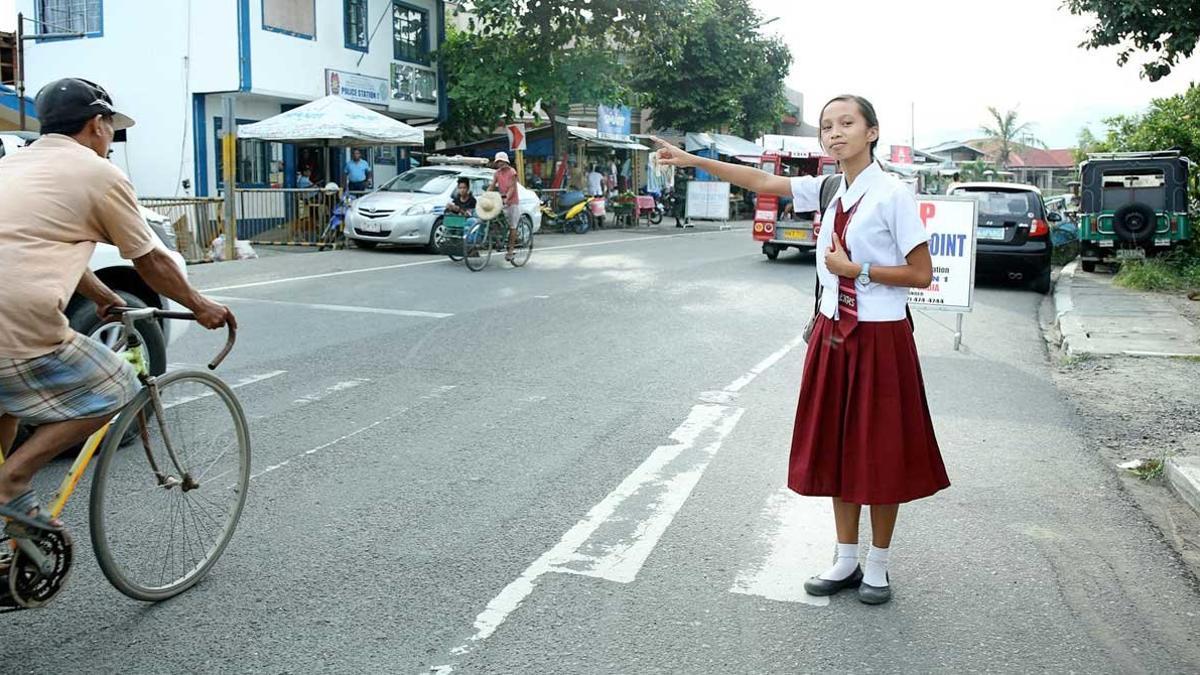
{"x":1179,"y":270}
{"x":1150,"y":469}
{"x":1075,"y":360}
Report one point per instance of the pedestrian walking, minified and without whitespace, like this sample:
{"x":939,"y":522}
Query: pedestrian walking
{"x":863,"y":433}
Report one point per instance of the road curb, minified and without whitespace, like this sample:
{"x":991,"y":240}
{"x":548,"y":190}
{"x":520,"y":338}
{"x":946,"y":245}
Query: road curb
{"x":1072,"y":334}
{"x":1183,"y":473}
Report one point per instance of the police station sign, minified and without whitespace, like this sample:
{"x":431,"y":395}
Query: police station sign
{"x":950,"y":222}
{"x":355,"y":87}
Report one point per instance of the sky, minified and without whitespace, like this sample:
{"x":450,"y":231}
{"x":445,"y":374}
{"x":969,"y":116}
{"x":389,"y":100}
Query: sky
{"x":934,"y":66}
{"x":953,"y":59}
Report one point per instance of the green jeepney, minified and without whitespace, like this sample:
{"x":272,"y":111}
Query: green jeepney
{"x":1133,"y":205}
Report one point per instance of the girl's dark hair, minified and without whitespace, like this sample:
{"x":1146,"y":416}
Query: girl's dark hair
{"x":864,"y":107}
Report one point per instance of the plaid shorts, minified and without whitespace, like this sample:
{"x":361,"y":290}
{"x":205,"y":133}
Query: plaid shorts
{"x":80,"y":379}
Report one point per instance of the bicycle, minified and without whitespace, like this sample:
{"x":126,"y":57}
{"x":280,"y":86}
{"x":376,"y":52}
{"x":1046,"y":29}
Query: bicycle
{"x":176,"y":476}
{"x":334,"y":235}
{"x":485,"y":236}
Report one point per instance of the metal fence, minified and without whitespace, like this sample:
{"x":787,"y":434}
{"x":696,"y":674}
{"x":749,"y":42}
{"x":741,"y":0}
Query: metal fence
{"x":274,"y":216}
{"x":283,"y":216}
{"x":196,"y":222}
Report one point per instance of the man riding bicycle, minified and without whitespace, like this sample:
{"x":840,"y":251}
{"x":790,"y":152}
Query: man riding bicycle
{"x":58,"y":198}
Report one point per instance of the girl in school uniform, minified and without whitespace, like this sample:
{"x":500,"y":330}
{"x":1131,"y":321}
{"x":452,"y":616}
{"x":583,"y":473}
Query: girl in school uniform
{"x":863,"y":433}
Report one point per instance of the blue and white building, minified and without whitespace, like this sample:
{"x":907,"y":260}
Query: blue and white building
{"x":169,"y":63}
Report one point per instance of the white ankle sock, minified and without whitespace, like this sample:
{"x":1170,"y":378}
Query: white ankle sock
{"x":847,"y":561}
{"x":876,"y":573}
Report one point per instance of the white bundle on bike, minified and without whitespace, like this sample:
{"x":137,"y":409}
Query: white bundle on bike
{"x":488,"y":205}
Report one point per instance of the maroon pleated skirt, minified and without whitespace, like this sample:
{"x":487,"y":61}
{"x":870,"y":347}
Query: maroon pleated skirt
{"x":863,"y":431}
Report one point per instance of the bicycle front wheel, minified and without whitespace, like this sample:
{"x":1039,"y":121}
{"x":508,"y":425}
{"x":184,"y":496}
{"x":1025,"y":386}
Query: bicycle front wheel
{"x":164,"y":507}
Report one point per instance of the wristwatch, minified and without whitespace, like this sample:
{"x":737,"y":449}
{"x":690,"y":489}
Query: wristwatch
{"x":864,"y":277}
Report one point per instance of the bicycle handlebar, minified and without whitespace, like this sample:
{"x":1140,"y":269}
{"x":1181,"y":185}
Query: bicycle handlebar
{"x":131,"y":314}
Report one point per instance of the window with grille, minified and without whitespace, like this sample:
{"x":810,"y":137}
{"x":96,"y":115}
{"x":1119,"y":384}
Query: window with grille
{"x":356,"y":24}
{"x":70,"y":16}
{"x":410,"y":33}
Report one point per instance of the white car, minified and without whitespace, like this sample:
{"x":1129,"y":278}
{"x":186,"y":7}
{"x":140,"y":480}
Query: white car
{"x":118,"y":274}
{"x":407,"y":210}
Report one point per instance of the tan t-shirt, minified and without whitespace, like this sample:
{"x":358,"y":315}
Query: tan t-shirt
{"x":57,"y":199}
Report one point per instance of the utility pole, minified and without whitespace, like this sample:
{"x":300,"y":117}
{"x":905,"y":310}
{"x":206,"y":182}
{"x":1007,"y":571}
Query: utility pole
{"x":229,"y":170}
{"x":19,"y":60}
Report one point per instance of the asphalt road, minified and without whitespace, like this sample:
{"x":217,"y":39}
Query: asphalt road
{"x":578,"y":467}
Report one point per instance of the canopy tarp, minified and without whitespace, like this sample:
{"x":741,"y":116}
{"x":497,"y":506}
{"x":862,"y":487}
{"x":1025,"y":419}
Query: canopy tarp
{"x":10,"y":111}
{"x":333,"y":121}
{"x":593,"y":138}
{"x":725,"y":144}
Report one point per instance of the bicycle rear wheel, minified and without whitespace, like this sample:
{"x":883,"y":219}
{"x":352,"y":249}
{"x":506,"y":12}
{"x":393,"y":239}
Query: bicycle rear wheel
{"x":159,"y":525}
{"x":524,"y":246}
{"x":478,"y":250}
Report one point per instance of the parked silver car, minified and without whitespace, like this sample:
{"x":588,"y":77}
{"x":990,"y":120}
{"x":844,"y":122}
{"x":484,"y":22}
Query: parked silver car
{"x":407,"y":210}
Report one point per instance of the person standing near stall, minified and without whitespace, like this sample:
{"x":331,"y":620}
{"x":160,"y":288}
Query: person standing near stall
{"x":863,"y":433}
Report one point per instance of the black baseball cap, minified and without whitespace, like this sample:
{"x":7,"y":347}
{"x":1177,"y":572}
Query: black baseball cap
{"x":72,"y":100}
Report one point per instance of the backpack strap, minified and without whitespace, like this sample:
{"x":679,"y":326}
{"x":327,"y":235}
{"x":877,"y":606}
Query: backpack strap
{"x":829,"y":187}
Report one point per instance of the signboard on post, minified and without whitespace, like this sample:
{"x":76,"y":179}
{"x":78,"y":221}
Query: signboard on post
{"x":516,"y":136}
{"x":357,"y":88}
{"x":613,"y":123}
{"x":708,"y":200}
{"x":902,"y":154}
{"x":950,"y":222}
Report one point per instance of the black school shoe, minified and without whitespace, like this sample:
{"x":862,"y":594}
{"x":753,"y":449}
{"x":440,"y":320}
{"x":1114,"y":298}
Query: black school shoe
{"x":820,"y":587}
{"x":875,"y":595}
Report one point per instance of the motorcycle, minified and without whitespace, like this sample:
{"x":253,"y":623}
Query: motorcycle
{"x":575,"y":213}
{"x":656,"y":214}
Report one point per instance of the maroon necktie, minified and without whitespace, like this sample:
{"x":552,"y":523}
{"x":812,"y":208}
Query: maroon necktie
{"x":847,"y":293}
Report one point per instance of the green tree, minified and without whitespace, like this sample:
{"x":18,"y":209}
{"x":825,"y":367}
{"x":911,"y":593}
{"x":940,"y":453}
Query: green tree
{"x":543,"y":54}
{"x":762,"y":106}
{"x":712,"y":69}
{"x":1172,"y":122}
{"x":1166,"y":29}
{"x":1004,"y":131}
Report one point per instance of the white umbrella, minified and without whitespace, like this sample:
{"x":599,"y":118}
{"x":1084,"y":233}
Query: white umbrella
{"x":333,"y":121}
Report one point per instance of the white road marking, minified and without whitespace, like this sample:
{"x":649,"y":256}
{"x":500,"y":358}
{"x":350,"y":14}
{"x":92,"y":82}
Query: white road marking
{"x":623,"y":529}
{"x":619,"y":533}
{"x":171,"y":403}
{"x":438,"y":261}
{"x":337,"y":308}
{"x":436,"y":393}
{"x":737,"y":385}
{"x":797,"y":548}
{"x":332,"y":389}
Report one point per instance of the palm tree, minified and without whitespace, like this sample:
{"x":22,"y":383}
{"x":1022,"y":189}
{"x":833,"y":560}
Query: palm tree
{"x":1005,"y":131}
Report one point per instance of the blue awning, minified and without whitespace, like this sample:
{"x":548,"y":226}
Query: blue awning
{"x":10,"y":112}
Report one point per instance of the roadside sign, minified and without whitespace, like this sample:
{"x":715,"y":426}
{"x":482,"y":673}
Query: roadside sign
{"x":707,"y":200}
{"x":950,"y":222}
{"x":516,"y":136}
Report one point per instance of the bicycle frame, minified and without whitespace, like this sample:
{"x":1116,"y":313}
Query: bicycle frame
{"x":135,"y":355}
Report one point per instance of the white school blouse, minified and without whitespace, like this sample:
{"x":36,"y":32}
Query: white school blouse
{"x":884,"y":230}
